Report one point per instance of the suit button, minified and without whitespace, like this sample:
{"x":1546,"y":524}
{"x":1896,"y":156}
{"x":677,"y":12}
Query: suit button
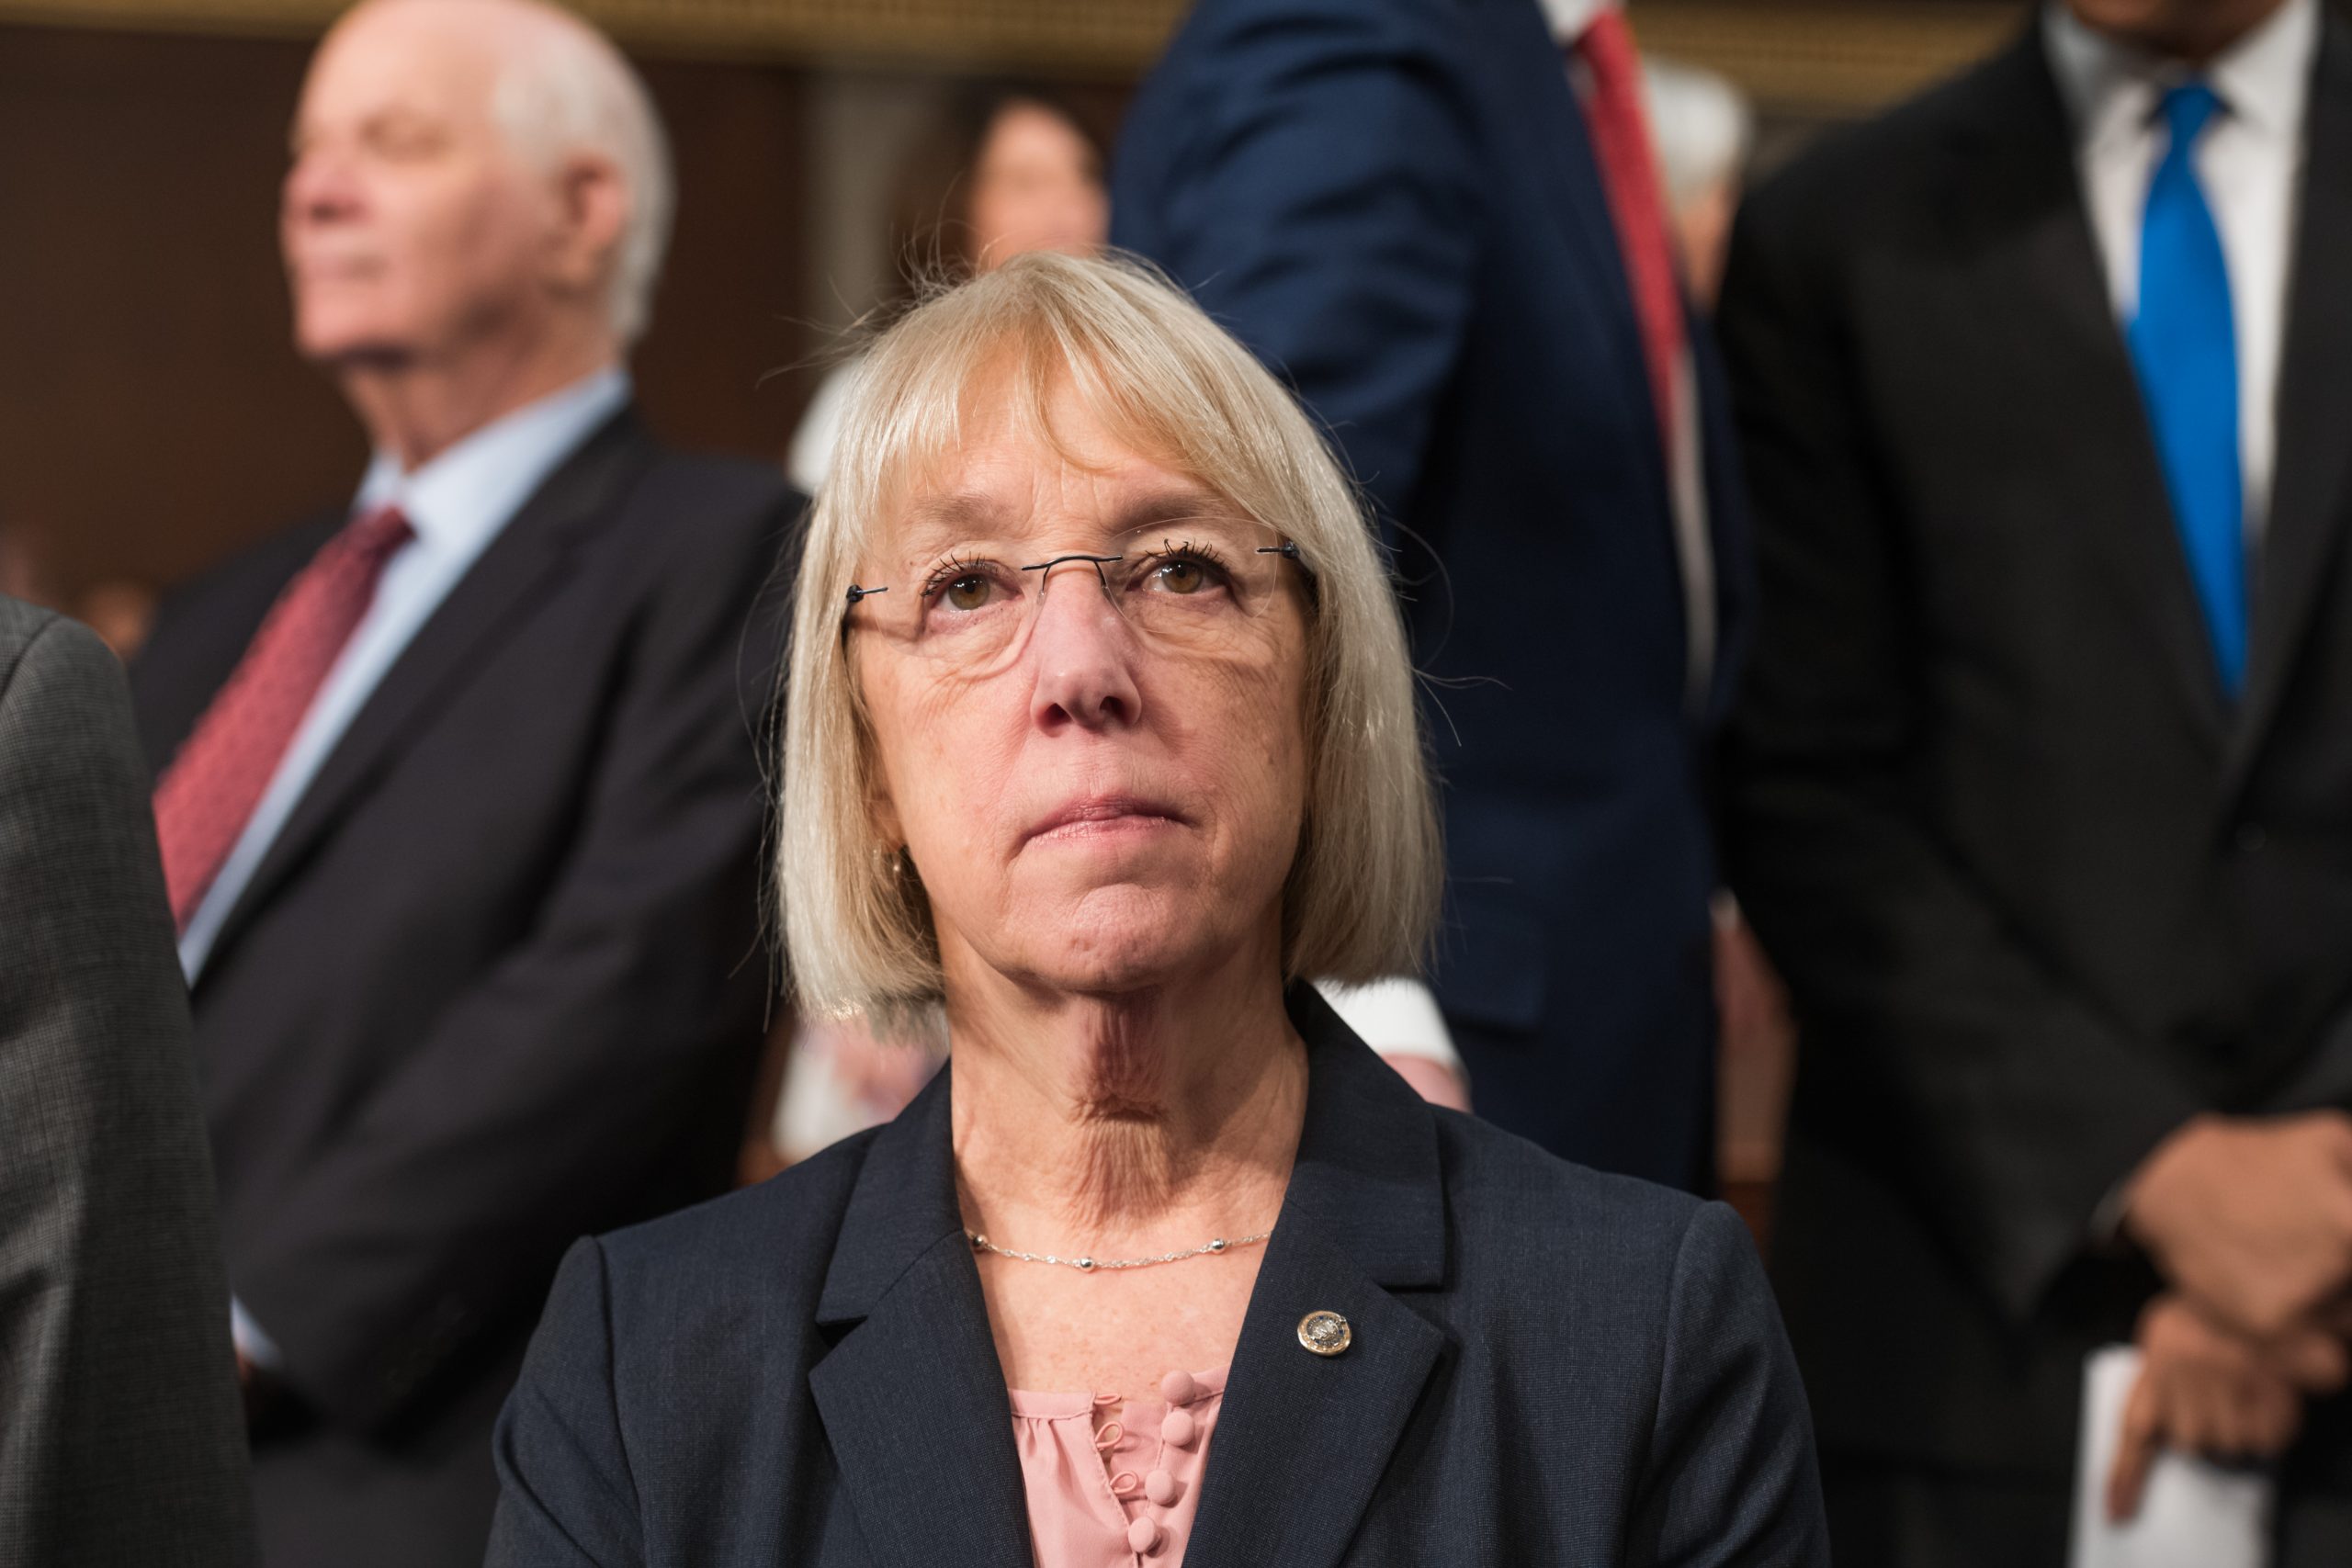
{"x":2250,"y":838}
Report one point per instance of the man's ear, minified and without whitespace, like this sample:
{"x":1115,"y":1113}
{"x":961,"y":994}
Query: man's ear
{"x":592,"y":209}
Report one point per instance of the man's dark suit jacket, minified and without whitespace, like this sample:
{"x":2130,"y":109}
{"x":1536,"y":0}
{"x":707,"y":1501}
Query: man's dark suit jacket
{"x":122,"y":1443}
{"x":1548,"y":1366}
{"x":497,"y":984}
{"x":2039,"y":891}
{"x":1394,"y":203}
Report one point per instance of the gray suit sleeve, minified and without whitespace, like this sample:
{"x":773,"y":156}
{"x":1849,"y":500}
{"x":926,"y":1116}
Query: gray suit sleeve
{"x":1731,"y":1480}
{"x":121,"y":1440}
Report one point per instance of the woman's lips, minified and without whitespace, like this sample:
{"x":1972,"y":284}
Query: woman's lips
{"x":1104,"y":816}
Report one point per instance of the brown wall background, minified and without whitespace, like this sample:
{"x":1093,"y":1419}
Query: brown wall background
{"x":153,"y":413}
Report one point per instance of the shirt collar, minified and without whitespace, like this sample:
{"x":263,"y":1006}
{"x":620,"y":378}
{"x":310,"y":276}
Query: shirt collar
{"x":467,"y":494}
{"x":1568,"y":18}
{"x":2111,"y":87}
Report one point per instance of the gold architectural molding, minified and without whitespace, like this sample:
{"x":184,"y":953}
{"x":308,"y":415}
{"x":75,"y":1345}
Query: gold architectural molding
{"x":1800,"y":56}
{"x":1827,"y":58}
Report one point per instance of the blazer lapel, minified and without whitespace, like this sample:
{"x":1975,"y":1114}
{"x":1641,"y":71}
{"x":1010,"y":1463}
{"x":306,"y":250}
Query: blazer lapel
{"x":479,"y":613}
{"x":1302,"y":1440}
{"x":2314,"y":408}
{"x":918,"y":1366}
{"x":2037,"y":282}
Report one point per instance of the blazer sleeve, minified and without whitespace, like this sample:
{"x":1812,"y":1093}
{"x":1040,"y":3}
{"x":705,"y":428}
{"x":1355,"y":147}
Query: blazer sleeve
{"x":566,"y":1080}
{"x":1731,"y":1480}
{"x":120,"y":1424}
{"x":1309,"y":173}
{"x":565,"y":1496}
{"x":2002,"y":1105}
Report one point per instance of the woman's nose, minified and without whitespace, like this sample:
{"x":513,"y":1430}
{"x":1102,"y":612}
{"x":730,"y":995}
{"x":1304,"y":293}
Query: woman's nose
{"x":1082,"y":653}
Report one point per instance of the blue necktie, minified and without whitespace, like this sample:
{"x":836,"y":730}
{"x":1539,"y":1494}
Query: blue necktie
{"x":2185,"y":348}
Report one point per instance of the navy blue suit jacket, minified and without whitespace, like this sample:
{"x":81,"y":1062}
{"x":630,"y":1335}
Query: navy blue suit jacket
{"x":1549,"y":1366}
{"x":1394,"y":203}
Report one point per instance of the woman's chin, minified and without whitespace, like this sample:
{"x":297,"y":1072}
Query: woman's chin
{"x":1121,"y":938}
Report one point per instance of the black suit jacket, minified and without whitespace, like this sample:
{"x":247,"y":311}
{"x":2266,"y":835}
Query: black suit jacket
{"x":1548,"y":1366}
{"x":497,"y":983}
{"x":1394,"y":204}
{"x":2041,"y":893}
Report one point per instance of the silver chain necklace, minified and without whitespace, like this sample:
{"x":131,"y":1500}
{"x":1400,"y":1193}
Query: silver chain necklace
{"x":1088,"y":1265}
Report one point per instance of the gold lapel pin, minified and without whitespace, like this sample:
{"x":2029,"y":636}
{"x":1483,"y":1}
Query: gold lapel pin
{"x":1325,"y":1332}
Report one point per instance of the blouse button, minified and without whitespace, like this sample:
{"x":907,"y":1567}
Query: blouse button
{"x":1178,"y":1428}
{"x":1143,"y":1536}
{"x":1124,"y":1484}
{"x":1177,"y":1388}
{"x":1160,"y":1487}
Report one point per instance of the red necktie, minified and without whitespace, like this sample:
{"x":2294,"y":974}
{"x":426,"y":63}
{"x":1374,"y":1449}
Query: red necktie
{"x":208,"y":792}
{"x":1620,"y":142}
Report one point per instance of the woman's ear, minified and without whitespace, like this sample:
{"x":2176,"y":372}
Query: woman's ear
{"x":882,"y":815}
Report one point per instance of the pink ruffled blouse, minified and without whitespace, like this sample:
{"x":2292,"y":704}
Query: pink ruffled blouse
{"x":1113,"y":1482}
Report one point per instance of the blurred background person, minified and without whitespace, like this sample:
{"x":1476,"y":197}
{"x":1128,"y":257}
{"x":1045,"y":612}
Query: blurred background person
{"x":457,"y":798}
{"x":1003,"y":169}
{"x":1705,"y":131}
{"x":1445,"y":227}
{"x":121,"y":1442}
{"x":2044,"y":768}
{"x":118,"y":609}
{"x":1100,"y":732}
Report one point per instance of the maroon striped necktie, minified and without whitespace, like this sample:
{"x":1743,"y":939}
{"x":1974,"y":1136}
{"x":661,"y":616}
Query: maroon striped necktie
{"x":1619,"y":129}
{"x":208,"y":793}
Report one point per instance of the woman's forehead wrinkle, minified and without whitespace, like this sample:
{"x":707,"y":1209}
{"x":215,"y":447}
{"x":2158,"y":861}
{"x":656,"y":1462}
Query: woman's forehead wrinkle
{"x":1176,"y":502}
{"x":1025,"y":492}
{"x":939,"y":518}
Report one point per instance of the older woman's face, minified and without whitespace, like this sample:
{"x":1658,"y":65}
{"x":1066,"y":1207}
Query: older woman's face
{"x":1096,"y":810}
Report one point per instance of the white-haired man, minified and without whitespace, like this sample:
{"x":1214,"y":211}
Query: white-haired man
{"x":457,"y":796}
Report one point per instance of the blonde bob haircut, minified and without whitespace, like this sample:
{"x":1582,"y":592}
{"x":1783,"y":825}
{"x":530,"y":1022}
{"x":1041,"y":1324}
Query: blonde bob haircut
{"x":1166,"y":381}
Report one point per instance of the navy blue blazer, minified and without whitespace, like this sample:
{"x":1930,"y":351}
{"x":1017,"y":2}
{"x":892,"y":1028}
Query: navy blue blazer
{"x":1549,"y":1366}
{"x":1394,"y":204}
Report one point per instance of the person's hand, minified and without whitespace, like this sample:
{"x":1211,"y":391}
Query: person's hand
{"x":2252,"y":1219}
{"x":2203,"y":1390}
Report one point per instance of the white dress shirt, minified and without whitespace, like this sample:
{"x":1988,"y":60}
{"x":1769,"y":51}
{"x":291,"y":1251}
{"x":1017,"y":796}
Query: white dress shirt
{"x":2249,"y":162}
{"x":457,"y":504}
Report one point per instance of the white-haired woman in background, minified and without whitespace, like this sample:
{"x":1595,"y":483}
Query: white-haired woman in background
{"x":1099,"y":736}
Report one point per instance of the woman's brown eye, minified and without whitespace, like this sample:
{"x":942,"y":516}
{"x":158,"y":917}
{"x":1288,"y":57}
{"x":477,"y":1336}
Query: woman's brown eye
{"x":1182,"y":577}
{"x":968,"y":591}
